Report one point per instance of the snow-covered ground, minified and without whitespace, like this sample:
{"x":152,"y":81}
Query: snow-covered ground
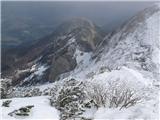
{"x":132,"y":61}
{"x":41,"y":109}
{"x":145,"y":111}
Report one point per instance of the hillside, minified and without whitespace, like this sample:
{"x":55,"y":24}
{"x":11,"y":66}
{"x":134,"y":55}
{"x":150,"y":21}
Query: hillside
{"x":88,"y":75}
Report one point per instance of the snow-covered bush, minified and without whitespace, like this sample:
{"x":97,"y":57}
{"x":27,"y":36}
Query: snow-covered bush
{"x":4,"y":87}
{"x":69,"y":100}
{"x":32,"y":91}
{"x":119,"y":94}
{"x":28,"y":92}
{"x":74,"y":97}
{"x":96,"y":92}
{"x":113,"y":94}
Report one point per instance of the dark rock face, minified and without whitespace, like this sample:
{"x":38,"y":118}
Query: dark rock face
{"x":62,"y":64}
{"x":57,"y":49}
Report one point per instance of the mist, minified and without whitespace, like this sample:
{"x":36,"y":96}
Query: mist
{"x":102,"y":13}
{"x":25,"y":21}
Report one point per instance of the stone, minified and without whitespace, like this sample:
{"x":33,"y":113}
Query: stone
{"x":6,"y":103}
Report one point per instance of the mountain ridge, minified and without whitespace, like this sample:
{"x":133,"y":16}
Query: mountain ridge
{"x":80,"y":32}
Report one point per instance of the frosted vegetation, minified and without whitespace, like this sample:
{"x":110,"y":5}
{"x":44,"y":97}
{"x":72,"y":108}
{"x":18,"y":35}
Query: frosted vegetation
{"x":122,"y":82}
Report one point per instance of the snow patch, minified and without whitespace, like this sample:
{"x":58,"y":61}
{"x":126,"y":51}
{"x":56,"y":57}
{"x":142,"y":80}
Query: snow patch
{"x":82,"y":58}
{"x":37,"y":70}
{"x":41,"y":109}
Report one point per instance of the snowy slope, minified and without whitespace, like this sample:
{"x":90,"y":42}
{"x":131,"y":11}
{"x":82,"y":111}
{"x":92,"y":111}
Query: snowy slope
{"x":138,"y":43}
{"x":131,"y":57}
{"x":41,"y":109}
{"x":139,"y":52}
{"x":135,"y":45}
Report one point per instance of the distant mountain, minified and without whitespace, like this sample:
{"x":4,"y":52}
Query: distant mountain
{"x":55,"y":51}
{"x":23,"y":23}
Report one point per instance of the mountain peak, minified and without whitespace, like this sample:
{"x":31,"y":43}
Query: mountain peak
{"x":79,"y":21}
{"x":83,"y":30}
{"x":73,"y":24}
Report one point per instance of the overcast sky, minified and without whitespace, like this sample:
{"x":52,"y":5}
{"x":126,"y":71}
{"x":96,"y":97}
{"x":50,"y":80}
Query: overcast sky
{"x":101,"y":13}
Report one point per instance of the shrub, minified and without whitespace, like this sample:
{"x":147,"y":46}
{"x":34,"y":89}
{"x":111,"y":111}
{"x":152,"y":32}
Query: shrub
{"x":113,"y":94}
{"x":69,"y":99}
{"x":73,"y":98}
{"x":121,"y":95}
{"x":97,"y":93}
{"x":4,"y":87}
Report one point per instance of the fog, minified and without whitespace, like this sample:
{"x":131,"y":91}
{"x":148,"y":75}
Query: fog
{"x":102,"y":13}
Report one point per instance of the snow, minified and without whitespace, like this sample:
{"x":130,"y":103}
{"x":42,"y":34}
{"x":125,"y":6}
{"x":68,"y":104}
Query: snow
{"x":146,"y":109}
{"x":38,"y":70}
{"x":41,"y":109}
{"x":132,"y":78}
{"x":152,"y":36}
{"x":82,"y":58}
{"x":84,"y":62}
{"x":140,"y":112}
{"x":33,"y":68}
{"x":89,"y":113}
{"x":124,"y":74}
{"x":21,"y":71}
{"x":72,"y":40}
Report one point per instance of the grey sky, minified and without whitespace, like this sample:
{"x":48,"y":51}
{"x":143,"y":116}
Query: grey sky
{"x":102,"y":13}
